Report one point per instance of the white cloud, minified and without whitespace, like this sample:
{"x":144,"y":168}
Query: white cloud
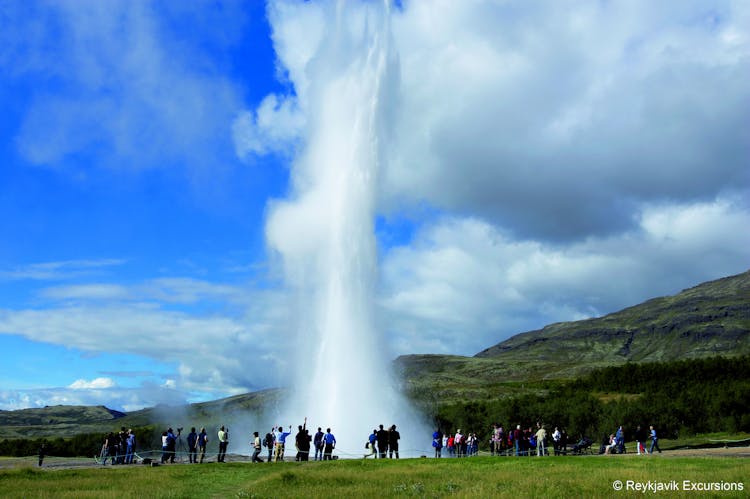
{"x":94,"y":384}
{"x":113,"y":397}
{"x":557,"y":121}
{"x":129,"y":88}
{"x":224,"y":342}
{"x":274,"y":127}
{"x":462,"y":285}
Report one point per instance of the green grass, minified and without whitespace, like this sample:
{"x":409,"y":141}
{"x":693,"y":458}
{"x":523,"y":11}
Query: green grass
{"x":474,"y":477}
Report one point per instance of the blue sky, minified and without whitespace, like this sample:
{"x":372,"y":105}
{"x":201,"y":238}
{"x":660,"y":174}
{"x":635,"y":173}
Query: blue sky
{"x":545,"y":163}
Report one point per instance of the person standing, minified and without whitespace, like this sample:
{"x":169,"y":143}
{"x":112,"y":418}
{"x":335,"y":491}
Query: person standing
{"x":318,"y":443}
{"x":130,"y":449}
{"x":280,"y":443}
{"x":517,"y":436}
{"x":382,"y":442}
{"x":256,"y":448}
{"x":269,"y":442}
{"x":223,"y":444}
{"x":330,"y":444}
{"x":202,"y":441}
{"x":42,"y":452}
{"x":171,"y":445}
{"x":305,"y":445}
{"x":458,"y":442}
{"x":301,"y":441}
{"x":640,"y":440}
{"x":556,"y":435}
{"x":192,"y":442}
{"x":437,"y":442}
{"x":541,"y":436}
{"x":451,"y":446}
{"x":393,"y":437}
{"x":654,"y":441}
{"x":164,"y":447}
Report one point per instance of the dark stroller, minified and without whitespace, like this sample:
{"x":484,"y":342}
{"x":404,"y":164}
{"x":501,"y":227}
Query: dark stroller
{"x":583,"y":445}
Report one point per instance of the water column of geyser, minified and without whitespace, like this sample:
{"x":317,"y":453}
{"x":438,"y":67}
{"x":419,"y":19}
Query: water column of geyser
{"x":325,"y":234}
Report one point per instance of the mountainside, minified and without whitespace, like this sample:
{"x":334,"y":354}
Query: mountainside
{"x":707,"y":320}
{"x":710,"y":319}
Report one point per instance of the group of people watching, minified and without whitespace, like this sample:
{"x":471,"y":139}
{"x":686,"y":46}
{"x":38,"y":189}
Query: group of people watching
{"x":520,"y":441}
{"x":275,"y":443}
{"x":119,"y":448}
{"x":383,"y":443}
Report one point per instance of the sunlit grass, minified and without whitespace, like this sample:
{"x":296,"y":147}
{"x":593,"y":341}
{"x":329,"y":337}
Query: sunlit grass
{"x":474,"y":477}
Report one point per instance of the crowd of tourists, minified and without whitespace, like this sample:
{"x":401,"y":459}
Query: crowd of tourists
{"x":119,"y":448}
{"x":527,"y":441}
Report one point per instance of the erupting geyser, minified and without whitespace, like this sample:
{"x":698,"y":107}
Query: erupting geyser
{"x":325,"y":234}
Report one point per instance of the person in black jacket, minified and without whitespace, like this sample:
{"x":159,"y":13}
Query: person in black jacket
{"x":382,"y":442}
{"x":393,"y":437}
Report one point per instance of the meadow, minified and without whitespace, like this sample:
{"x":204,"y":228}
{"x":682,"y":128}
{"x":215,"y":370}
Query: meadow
{"x":564,"y":476}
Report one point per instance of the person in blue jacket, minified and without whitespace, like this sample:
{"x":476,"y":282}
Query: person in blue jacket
{"x":330,"y":444}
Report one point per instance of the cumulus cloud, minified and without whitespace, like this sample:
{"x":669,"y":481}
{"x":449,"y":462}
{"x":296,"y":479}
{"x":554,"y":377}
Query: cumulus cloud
{"x":274,"y":127}
{"x":94,"y":384}
{"x":469,"y":285}
{"x":557,"y":122}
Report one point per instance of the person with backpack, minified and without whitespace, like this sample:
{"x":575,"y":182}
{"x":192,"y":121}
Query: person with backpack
{"x":437,"y":442}
{"x":268,"y":441}
{"x":256,"y":448}
{"x":318,"y":443}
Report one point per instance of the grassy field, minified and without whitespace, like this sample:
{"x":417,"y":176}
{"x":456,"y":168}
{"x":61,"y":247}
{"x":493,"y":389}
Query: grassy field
{"x":474,"y":477}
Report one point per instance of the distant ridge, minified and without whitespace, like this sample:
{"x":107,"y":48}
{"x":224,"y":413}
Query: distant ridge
{"x":710,"y":319}
{"x":707,"y":320}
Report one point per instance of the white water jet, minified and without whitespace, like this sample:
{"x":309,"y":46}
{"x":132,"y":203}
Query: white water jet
{"x":325,"y":234}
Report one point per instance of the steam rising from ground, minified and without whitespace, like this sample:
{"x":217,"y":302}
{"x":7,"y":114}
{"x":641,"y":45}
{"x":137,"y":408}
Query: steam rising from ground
{"x":325,"y":234}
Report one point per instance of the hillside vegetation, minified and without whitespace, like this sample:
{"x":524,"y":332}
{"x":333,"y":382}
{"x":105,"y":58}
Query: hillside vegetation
{"x":704,"y":321}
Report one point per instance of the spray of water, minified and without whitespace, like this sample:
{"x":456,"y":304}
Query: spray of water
{"x":325,"y":234}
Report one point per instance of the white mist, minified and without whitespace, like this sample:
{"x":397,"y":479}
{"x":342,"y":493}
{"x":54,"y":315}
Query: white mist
{"x":325,"y":235}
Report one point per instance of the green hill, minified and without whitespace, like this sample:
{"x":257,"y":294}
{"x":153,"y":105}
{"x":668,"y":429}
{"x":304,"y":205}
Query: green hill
{"x":704,"y":321}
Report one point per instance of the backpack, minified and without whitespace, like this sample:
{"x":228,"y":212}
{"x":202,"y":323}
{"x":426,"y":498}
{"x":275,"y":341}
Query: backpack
{"x":268,"y":440}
